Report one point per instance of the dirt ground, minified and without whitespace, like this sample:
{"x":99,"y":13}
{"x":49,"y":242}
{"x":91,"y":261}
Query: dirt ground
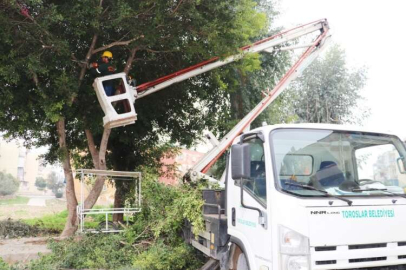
{"x":25,"y":249}
{"x":16,"y":212}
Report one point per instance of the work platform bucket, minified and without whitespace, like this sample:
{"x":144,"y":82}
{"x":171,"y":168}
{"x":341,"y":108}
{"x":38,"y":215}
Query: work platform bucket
{"x":118,"y":108}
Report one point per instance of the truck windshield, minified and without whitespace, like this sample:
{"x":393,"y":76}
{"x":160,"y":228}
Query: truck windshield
{"x":340,"y":163}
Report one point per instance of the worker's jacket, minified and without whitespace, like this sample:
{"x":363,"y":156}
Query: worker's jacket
{"x":103,"y":69}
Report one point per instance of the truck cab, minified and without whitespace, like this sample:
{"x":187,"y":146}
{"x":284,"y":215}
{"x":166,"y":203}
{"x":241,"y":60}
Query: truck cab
{"x":316,"y":196}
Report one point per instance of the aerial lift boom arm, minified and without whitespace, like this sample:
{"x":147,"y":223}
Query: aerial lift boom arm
{"x":113,"y":118}
{"x":313,"y":50}
{"x":267,"y":44}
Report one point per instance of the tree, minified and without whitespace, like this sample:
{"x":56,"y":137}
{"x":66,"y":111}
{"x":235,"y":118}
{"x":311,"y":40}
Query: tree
{"x":328,"y":91}
{"x":40,"y":183}
{"x":8,"y":184}
{"x":53,"y":183}
{"x":46,"y":92}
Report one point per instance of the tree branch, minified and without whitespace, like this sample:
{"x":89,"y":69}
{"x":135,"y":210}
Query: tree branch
{"x":130,"y":60}
{"x":88,"y":55}
{"x":92,"y":148}
{"x":24,"y":12}
{"x":116,"y":43}
{"x":177,"y":7}
{"x":103,"y":148}
{"x":98,"y":185}
{"x":71,"y":225}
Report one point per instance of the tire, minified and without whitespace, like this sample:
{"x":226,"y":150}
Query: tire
{"x":238,"y":259}
{"x":242,"y":263}
{"x":110,"y":225}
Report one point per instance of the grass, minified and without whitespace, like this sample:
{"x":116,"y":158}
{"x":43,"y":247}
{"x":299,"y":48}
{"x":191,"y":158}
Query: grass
{"x":16,"y":200}
{"x":51,"y":222}
{"x":57,"y":221}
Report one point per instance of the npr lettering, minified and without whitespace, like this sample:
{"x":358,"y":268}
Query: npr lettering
{"x":318,"y":212}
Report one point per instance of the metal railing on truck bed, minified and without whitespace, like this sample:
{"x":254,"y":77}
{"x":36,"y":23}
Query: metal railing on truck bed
{"x":213,"y":241}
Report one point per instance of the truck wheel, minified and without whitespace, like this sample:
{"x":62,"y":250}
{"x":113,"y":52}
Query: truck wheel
{"x":242,"y":262}
{"x":239,"y":260}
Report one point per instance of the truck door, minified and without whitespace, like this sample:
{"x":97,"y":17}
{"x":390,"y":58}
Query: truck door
{"x":253,"y":238}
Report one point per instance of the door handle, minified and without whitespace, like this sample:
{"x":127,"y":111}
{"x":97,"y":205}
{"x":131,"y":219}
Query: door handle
{"x":233,"y":216}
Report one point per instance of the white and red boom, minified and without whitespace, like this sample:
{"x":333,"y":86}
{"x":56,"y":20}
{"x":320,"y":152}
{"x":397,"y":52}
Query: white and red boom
{"x":114,"y":118}
{"x":311,"y":53}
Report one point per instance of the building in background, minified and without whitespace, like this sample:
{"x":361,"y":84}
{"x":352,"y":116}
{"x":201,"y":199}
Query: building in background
{"x":182,"y":162}
{"x":25,"y":165}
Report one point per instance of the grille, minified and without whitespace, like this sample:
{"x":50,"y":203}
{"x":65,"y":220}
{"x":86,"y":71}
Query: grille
{"x":326,"y":262}
{"x":360,"y":256}
{"x":325,"y":248}
{"x":373,"y":259}
{"x":392,"y":267}
{"x":381,"y":245}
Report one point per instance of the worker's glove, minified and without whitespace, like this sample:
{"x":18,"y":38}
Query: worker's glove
{"x":95,"y":65}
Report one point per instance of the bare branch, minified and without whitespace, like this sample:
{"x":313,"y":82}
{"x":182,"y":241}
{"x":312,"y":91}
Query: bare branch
{"x":116,"y":43}
{"x":35,"y":78}
{"x":88,"y":55}
{"x":24,"y":12}
{"x":98,"y":185}
{"x":92,"y":148}
{"x":103,"y":148}
{"x":130,"y":60}
{"x":177,"y":7}
{"x":154,"y":51}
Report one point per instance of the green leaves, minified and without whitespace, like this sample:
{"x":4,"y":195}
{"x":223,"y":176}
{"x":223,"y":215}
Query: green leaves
{"x":43,"y":55}
{"x":328,"y":91}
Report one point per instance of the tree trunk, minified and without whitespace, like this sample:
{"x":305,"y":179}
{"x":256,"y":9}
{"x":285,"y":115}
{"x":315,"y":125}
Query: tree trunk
{"x":71,"y":222}
{"x":98,"y":185}
{"x":118,"y":202}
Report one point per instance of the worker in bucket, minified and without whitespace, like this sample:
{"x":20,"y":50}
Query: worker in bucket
{"x":104,"y":67}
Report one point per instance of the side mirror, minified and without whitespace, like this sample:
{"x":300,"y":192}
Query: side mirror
{"x":401,"y":165}
{"x":240,"y":161}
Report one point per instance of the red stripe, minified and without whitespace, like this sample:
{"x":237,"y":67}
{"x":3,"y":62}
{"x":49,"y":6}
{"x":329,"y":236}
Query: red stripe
{"x":147,"y":85}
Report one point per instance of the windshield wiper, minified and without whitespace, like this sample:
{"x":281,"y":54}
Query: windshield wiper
{"x":379,"y":189}
{"x":320,"y":190}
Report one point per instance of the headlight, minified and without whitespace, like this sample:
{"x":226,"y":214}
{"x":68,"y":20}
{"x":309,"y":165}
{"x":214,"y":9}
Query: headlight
{"x":294,"y":249}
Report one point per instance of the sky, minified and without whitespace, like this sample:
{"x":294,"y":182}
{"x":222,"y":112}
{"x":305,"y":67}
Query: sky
{"x":373,"y":34}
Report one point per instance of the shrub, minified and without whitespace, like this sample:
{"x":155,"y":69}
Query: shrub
{"x":8,"y":184}
{"x":40,"y":183}
{"x":164,"y":257}
{"x":15,"y":229}
{"x":59,"y":194}
{"x":94,"y":251}
{"x":152,"y":242}
{"x":3,"y":265}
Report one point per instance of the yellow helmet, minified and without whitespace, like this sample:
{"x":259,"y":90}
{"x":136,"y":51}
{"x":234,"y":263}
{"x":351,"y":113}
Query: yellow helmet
{"x":107,"y":54}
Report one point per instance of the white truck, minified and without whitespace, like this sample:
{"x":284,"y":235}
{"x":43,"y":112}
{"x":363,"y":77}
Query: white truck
{"x":309,"y":196}
{"x":296,"y":197}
